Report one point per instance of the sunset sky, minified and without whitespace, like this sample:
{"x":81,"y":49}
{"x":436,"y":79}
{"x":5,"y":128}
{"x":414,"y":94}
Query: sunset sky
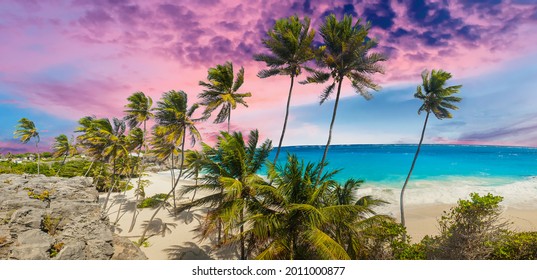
{"x":62,"y":60}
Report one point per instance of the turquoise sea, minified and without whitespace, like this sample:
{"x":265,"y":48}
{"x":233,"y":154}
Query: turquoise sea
{"x":443,"y":173}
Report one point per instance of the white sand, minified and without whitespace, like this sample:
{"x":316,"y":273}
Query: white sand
{"x":180,"y":241}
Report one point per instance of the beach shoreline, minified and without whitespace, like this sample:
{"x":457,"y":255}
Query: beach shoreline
{"x":180,"y":239}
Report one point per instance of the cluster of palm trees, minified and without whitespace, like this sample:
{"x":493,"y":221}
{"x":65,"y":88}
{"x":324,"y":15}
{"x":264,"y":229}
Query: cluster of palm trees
{"x":299,"y":211}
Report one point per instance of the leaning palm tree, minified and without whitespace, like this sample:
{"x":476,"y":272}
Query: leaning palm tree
{"x":174,"y":121}
{"x":437,"y":99}
{"x":345,"y":54}
{"x":290,"y":44}
{"x":138,"y":112}
{"x":194,"y":161}
{"x":232,"y":167}
{"x":62,"y":147}
{"x":111,"y":136}
{"x":221,"y":91}
{"x":25,"y":131}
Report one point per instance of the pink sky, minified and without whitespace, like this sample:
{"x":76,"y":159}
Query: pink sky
{"x":69,"y":59}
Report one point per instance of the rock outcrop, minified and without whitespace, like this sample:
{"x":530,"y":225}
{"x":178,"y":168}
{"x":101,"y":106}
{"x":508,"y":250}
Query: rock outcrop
{"x":56,"y":218}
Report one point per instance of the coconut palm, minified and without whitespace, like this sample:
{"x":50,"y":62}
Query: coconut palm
{"x":232,"y":166}
{"x":174,"y":121}
{"x":25,"y":131}
{"x":194,"y":161}
{"x":138,"y":112}
{"x":221,"y":91}
{"x":303,"y":218}
{"x":62,"y":147}
{"x":290,"y":44}
{"x":85,"y":128}
{"x":437,"y":99}
{"x":111,"y":136}
{"x":345,"y":54}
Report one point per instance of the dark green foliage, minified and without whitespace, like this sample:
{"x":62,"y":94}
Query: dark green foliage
{"x":382,"y":239}
{"x":152,"y":202}
{"x":46,"y":154}
{"x":25,"y":168}
{"x":516,"y":246}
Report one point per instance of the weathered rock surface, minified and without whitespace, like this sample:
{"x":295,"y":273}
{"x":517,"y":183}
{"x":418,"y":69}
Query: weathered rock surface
{"x":56,"y":218}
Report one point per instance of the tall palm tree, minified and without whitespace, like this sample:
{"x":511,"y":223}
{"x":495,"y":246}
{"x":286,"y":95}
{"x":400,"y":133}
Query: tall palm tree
{"x":62,"y":147}
{"x":221,"y":91}
{"x":138,"y":112}
{"x":85,"y":128}
{"x":174,"y":121}
{"x":290,"y":43}
{"x":25,"y":131}
{"x":345,"y":54}
{"x":232,"y":166}
{"x":437,"y":99}
{"x":111,"y":136}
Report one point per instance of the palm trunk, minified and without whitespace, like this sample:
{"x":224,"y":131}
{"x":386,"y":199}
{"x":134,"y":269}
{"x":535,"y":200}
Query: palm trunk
{"x":241,"y":232}
{"x":196,"y":189}
{"x":172,"y":191}
{"x":330,"y":131}
{"x":112,"y":185}
{"x":410,"y":172}
{"x":38,"y":156}
{"x":181,"y":168}
{"x":137,"y":197}
{"x":91,"y":165}
{"x":63,"y":162}
{"x":285,"y":120}
{"x":228,"y":119}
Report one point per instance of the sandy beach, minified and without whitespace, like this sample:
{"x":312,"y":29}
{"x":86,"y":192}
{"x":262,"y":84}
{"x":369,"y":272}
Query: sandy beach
{"x":179,"y":240}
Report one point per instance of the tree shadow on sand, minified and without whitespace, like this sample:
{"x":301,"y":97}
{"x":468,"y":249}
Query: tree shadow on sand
{"x":187,"y":216}
{"x":189,"y":251}
{"x":158,"y":226}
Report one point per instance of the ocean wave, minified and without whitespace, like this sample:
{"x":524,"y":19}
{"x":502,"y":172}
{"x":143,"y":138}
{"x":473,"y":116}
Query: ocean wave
{"x":521,"y":194}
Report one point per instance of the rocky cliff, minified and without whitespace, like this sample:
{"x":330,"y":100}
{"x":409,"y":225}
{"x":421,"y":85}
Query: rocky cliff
{"x":56,"y":218}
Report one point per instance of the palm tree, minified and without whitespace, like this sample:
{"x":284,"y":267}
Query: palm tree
{"x":303,"y":218}
{"x":438,"y":99}
{"x":290,"y":44}
{"x":138,"y":113}
{"x":62,"y":147}
{"x":221,"y":91}
{"x":232,"y":166}
{"x":174,"y":120}
{"x":347,"y":226}
{"x":25,"y":131}
{"x":345,"y":54}
{"x":113,"y":140}
{"x":194,"y":161}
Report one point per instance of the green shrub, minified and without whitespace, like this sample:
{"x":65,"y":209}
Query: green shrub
{"x":516,"y":246}
{"x":469,"y":230}
{"x":152,"y":202}
{"x":382,"y":239}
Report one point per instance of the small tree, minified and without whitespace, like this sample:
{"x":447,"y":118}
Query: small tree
{"x":469,"y":230}
{"x":26,"y":130}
